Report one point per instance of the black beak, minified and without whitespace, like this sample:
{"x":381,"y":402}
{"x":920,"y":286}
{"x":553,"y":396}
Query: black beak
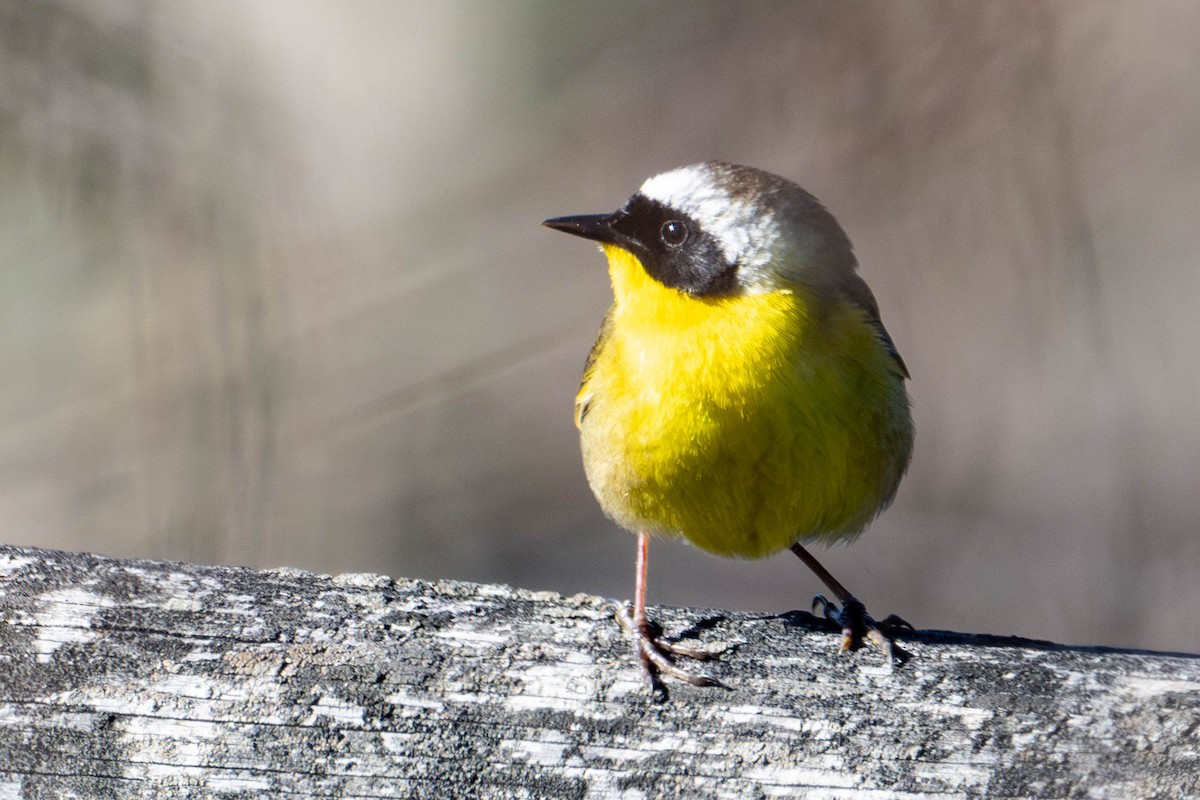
{"x":597,"y":227}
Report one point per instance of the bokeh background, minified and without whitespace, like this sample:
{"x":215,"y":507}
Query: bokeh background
{"x":273,"y":289}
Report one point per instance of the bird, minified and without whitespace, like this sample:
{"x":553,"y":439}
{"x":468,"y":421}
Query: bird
{"x":743,"y":393}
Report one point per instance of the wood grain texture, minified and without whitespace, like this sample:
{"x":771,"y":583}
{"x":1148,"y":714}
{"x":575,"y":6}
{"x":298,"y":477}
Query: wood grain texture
{"x":152,"y":679}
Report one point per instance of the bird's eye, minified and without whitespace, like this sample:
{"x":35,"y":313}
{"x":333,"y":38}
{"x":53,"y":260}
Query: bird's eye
{"x":673,"y":233}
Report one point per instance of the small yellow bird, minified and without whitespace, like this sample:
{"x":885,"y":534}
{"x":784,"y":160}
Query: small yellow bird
{"x":743,"y":392}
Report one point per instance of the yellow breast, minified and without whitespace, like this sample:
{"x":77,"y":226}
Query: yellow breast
{"x":742,"y":423}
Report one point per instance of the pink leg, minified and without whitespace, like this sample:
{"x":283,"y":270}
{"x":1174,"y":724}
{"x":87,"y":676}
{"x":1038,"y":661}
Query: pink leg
{"x":653,"y":652}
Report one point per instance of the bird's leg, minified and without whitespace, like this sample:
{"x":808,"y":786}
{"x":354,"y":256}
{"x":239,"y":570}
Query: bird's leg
{"x":856,"y":623}
{"x":652,"y":650}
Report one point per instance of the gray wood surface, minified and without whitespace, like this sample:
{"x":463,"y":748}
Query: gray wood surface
{"x":153,"y":679}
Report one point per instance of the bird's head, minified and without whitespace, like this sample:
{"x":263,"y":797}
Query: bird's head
{"x":715,"y":229}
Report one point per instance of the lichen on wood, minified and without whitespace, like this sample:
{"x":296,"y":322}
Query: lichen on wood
{"x":123,"y":678}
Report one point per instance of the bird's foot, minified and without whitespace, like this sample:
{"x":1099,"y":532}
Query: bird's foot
{"x":858,"y":627}
{"x":657,"y":655}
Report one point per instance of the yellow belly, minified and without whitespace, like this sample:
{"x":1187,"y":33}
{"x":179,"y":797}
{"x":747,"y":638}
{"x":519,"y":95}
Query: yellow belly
{"x":743,"y":423}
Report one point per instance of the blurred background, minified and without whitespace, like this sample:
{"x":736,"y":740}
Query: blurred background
{"x":273,"y":289}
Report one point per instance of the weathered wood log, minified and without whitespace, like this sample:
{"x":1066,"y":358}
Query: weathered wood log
{"x":148,"y":679}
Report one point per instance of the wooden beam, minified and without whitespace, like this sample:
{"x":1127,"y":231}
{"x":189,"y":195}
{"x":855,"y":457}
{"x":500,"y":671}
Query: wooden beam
{"x":122,"y":678}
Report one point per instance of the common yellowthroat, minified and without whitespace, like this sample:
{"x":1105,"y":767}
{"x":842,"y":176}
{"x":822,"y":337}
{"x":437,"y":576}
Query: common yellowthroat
{"x":743,"y":392}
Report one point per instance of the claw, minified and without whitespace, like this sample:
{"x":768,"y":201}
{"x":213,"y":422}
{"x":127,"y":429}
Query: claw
{"x":858,"y":626}
{"x":655,"y":653}
{"x":821,"y":605}
{"x":856,"y":623}
{"x":894,"y":622}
